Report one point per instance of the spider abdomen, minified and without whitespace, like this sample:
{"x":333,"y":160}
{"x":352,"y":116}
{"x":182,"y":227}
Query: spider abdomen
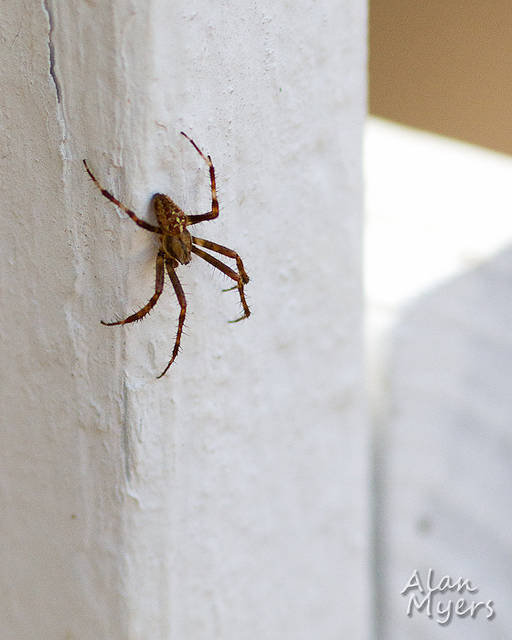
{"x":171,"y":218}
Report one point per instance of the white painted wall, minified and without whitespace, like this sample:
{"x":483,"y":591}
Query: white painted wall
{"x":229,"y":499}
{"x":439,"y":280}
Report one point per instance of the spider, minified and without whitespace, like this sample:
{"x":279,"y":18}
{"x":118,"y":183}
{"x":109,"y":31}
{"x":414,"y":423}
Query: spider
{"x":177,"y":246}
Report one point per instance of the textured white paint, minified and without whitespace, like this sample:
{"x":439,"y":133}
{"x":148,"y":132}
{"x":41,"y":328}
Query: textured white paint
{"x":229,"y":499}
{"x":439,"y":276}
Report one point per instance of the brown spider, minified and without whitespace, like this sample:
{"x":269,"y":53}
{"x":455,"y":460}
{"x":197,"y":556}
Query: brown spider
{"x":177,"y":246}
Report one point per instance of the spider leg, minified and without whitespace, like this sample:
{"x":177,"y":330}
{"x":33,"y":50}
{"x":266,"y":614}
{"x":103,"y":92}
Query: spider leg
{"x":218,"y":248}
{"x":109,"y":196}
{"x":180,"y":294}
{"x":195,"y":219}
{"x":159,"y":287}
{"x":237,"y":277}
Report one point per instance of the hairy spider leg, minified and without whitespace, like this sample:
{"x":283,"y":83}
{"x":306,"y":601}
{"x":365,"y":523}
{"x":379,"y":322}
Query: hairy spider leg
{"x":230,"y":274}
{"x":195,"y":219}
{"x":109,"y":196}
{"x":218,"y":248}
{"x":159,"y":287}
{"x":180,"y":295}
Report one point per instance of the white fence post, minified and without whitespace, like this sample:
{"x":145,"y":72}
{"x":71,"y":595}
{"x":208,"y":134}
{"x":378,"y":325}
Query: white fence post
{"x":228,"y":499}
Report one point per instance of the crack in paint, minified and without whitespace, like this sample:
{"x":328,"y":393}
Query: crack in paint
{"x":51,"y":47}
{"x":54,"y":75}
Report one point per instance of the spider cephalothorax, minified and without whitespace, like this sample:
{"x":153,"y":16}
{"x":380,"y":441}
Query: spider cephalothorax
{"x":177,"y":246}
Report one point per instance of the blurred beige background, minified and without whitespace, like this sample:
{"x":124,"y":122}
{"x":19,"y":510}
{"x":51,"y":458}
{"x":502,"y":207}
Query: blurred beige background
{"x":444,"y":66}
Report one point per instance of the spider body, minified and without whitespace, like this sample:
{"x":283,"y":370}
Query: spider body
{"x":175,"y":241}
{"x":177,"y":246}
{"x":171,"y":218}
